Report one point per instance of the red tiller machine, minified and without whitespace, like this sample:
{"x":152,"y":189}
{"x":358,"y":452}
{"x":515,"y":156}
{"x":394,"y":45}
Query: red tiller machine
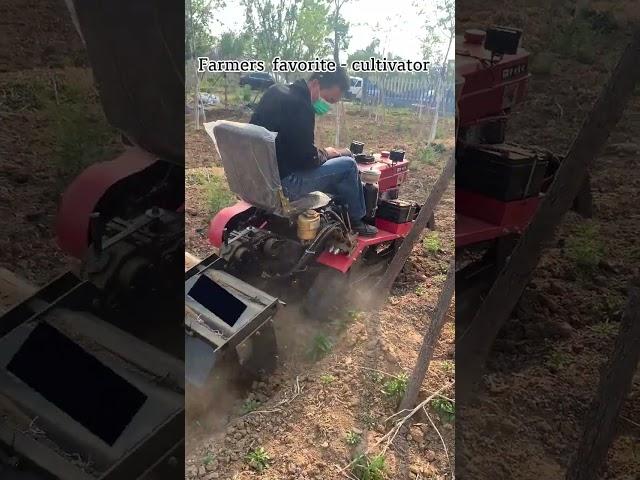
{"x":271,"y":241}
{"x":498,"y":184}
{"x":268,"y":249}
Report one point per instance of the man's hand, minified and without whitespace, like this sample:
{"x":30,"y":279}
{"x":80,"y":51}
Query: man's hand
{"x":338,"y":152}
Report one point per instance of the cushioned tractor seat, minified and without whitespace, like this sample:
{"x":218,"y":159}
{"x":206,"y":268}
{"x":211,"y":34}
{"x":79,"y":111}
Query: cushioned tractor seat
{"x":248,"y":155}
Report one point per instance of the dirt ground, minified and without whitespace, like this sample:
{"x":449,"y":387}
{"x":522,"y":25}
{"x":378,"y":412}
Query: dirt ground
{"x":303,"y":414}
{"x":545,"y":366}
{"x":50,"y":117}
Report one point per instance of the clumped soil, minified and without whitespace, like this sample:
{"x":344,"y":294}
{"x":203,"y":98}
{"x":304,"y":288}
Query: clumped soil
{"x":302,"y":414}
{"x":545,"y":366}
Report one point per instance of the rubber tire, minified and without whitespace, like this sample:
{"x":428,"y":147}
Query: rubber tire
{"x":328,"y":292}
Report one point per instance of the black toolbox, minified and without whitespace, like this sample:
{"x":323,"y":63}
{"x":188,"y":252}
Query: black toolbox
{"x":397,"y":211}
{"x":505,"y":172}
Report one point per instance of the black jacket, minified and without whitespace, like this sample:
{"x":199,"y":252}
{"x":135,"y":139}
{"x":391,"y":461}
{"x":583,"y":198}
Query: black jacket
{"x":287,"y":110}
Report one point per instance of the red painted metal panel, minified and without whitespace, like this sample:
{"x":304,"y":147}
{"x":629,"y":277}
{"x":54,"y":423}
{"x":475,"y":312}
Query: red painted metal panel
{"x":219,"y":222}
{"x":343,"y":262}
{"x":81,"y":197}
{"x":480,"y":218}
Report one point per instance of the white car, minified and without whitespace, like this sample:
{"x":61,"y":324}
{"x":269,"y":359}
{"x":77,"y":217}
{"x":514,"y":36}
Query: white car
{"x":355,"y":87}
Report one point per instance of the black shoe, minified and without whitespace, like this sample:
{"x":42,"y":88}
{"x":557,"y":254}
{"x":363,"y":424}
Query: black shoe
{"x":364,"y":229}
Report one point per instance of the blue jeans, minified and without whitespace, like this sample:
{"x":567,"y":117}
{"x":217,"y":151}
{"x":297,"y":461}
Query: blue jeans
{"x":337,"y":177}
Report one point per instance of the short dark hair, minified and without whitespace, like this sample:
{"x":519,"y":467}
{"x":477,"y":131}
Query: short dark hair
{"x":330,"y":79}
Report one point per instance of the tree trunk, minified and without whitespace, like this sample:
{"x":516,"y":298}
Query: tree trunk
{"x":475,"y":344}
{"x":431,"y":336}
{"x":583,"y":203}
{"x":615,"y":383}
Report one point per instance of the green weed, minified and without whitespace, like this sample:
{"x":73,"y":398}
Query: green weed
{"x":557,"y":360}
{"x":448,"y":366}
{"x":327,"y":379}
{"x":395,"y":387}
{"x":321,"y":345}
{"x":431,"y":243}
{"x":605,"y":329}
{"x":208,"y":459}
{"x":445,"y":409}
{"x":218,"y":194}
{"x":421,"y":290}
{"x":576,"y":41}
{"x":79,"y":130}
{"x":427,"y":155}
{"x":369,"y":468}
{"x":258,"y":459}
{"x":585,"y":248}
{"x":353,"y":438}
{"x":249,"y":405}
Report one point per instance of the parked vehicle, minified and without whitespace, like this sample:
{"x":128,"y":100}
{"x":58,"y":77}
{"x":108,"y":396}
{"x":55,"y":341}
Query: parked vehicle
{"x":257,"y":80}
{"x":355,"y":88}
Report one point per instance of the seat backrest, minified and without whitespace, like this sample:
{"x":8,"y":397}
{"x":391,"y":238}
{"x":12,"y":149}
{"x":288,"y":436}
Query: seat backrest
{"x":248,"y":154}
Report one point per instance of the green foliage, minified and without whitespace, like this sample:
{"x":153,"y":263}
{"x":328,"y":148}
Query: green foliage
{"x":395,"y":387}
{"x":421,"y":290}
{"x":557,"y":360}
{"x":445,"y":409}
{"x":439,"y":31}
{"x":605,"y":329}
{"x":217,"y":193}
{"x":246,"y":93}
{"x":249,"y":405}
{"x":208,"y":458}
{"x":448,"y":366}
{"x":585,"y":248}
{"x":369,"y":468}
{"x":313,"y":29}
{"x":79,"y":130}
{"x":327,"y":379}
{"x":321,"y":345}
{"x":289,"y":29}
{"x":198,"y":14}
{"x":432,"y":243}
{"x":23,"y":96}
{"x":352,"y":438}
{"x":232,"y":46}
{"x":576,"y":40}
{"x":427,"y":155}
{"x":258,"y":459}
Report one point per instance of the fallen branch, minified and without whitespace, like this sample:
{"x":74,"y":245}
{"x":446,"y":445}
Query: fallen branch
{"x":391,"y":434}
{"x":399,"y":424}
{"x":297,"y":390}
{"x":444,"y":445}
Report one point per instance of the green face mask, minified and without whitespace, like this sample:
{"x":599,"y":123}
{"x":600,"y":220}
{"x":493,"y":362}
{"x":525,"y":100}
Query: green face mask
{"x":321,"y":106}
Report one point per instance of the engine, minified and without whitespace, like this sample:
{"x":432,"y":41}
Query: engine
{"x":282,"y":247}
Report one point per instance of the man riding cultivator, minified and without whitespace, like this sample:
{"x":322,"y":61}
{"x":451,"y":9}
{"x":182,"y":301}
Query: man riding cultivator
{"x":290,"y":111}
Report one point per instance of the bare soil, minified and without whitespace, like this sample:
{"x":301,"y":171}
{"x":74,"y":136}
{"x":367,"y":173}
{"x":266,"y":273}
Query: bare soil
{"x":42,"y":66}
{"x":303,"y":413}
{"x":545,"y":366}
